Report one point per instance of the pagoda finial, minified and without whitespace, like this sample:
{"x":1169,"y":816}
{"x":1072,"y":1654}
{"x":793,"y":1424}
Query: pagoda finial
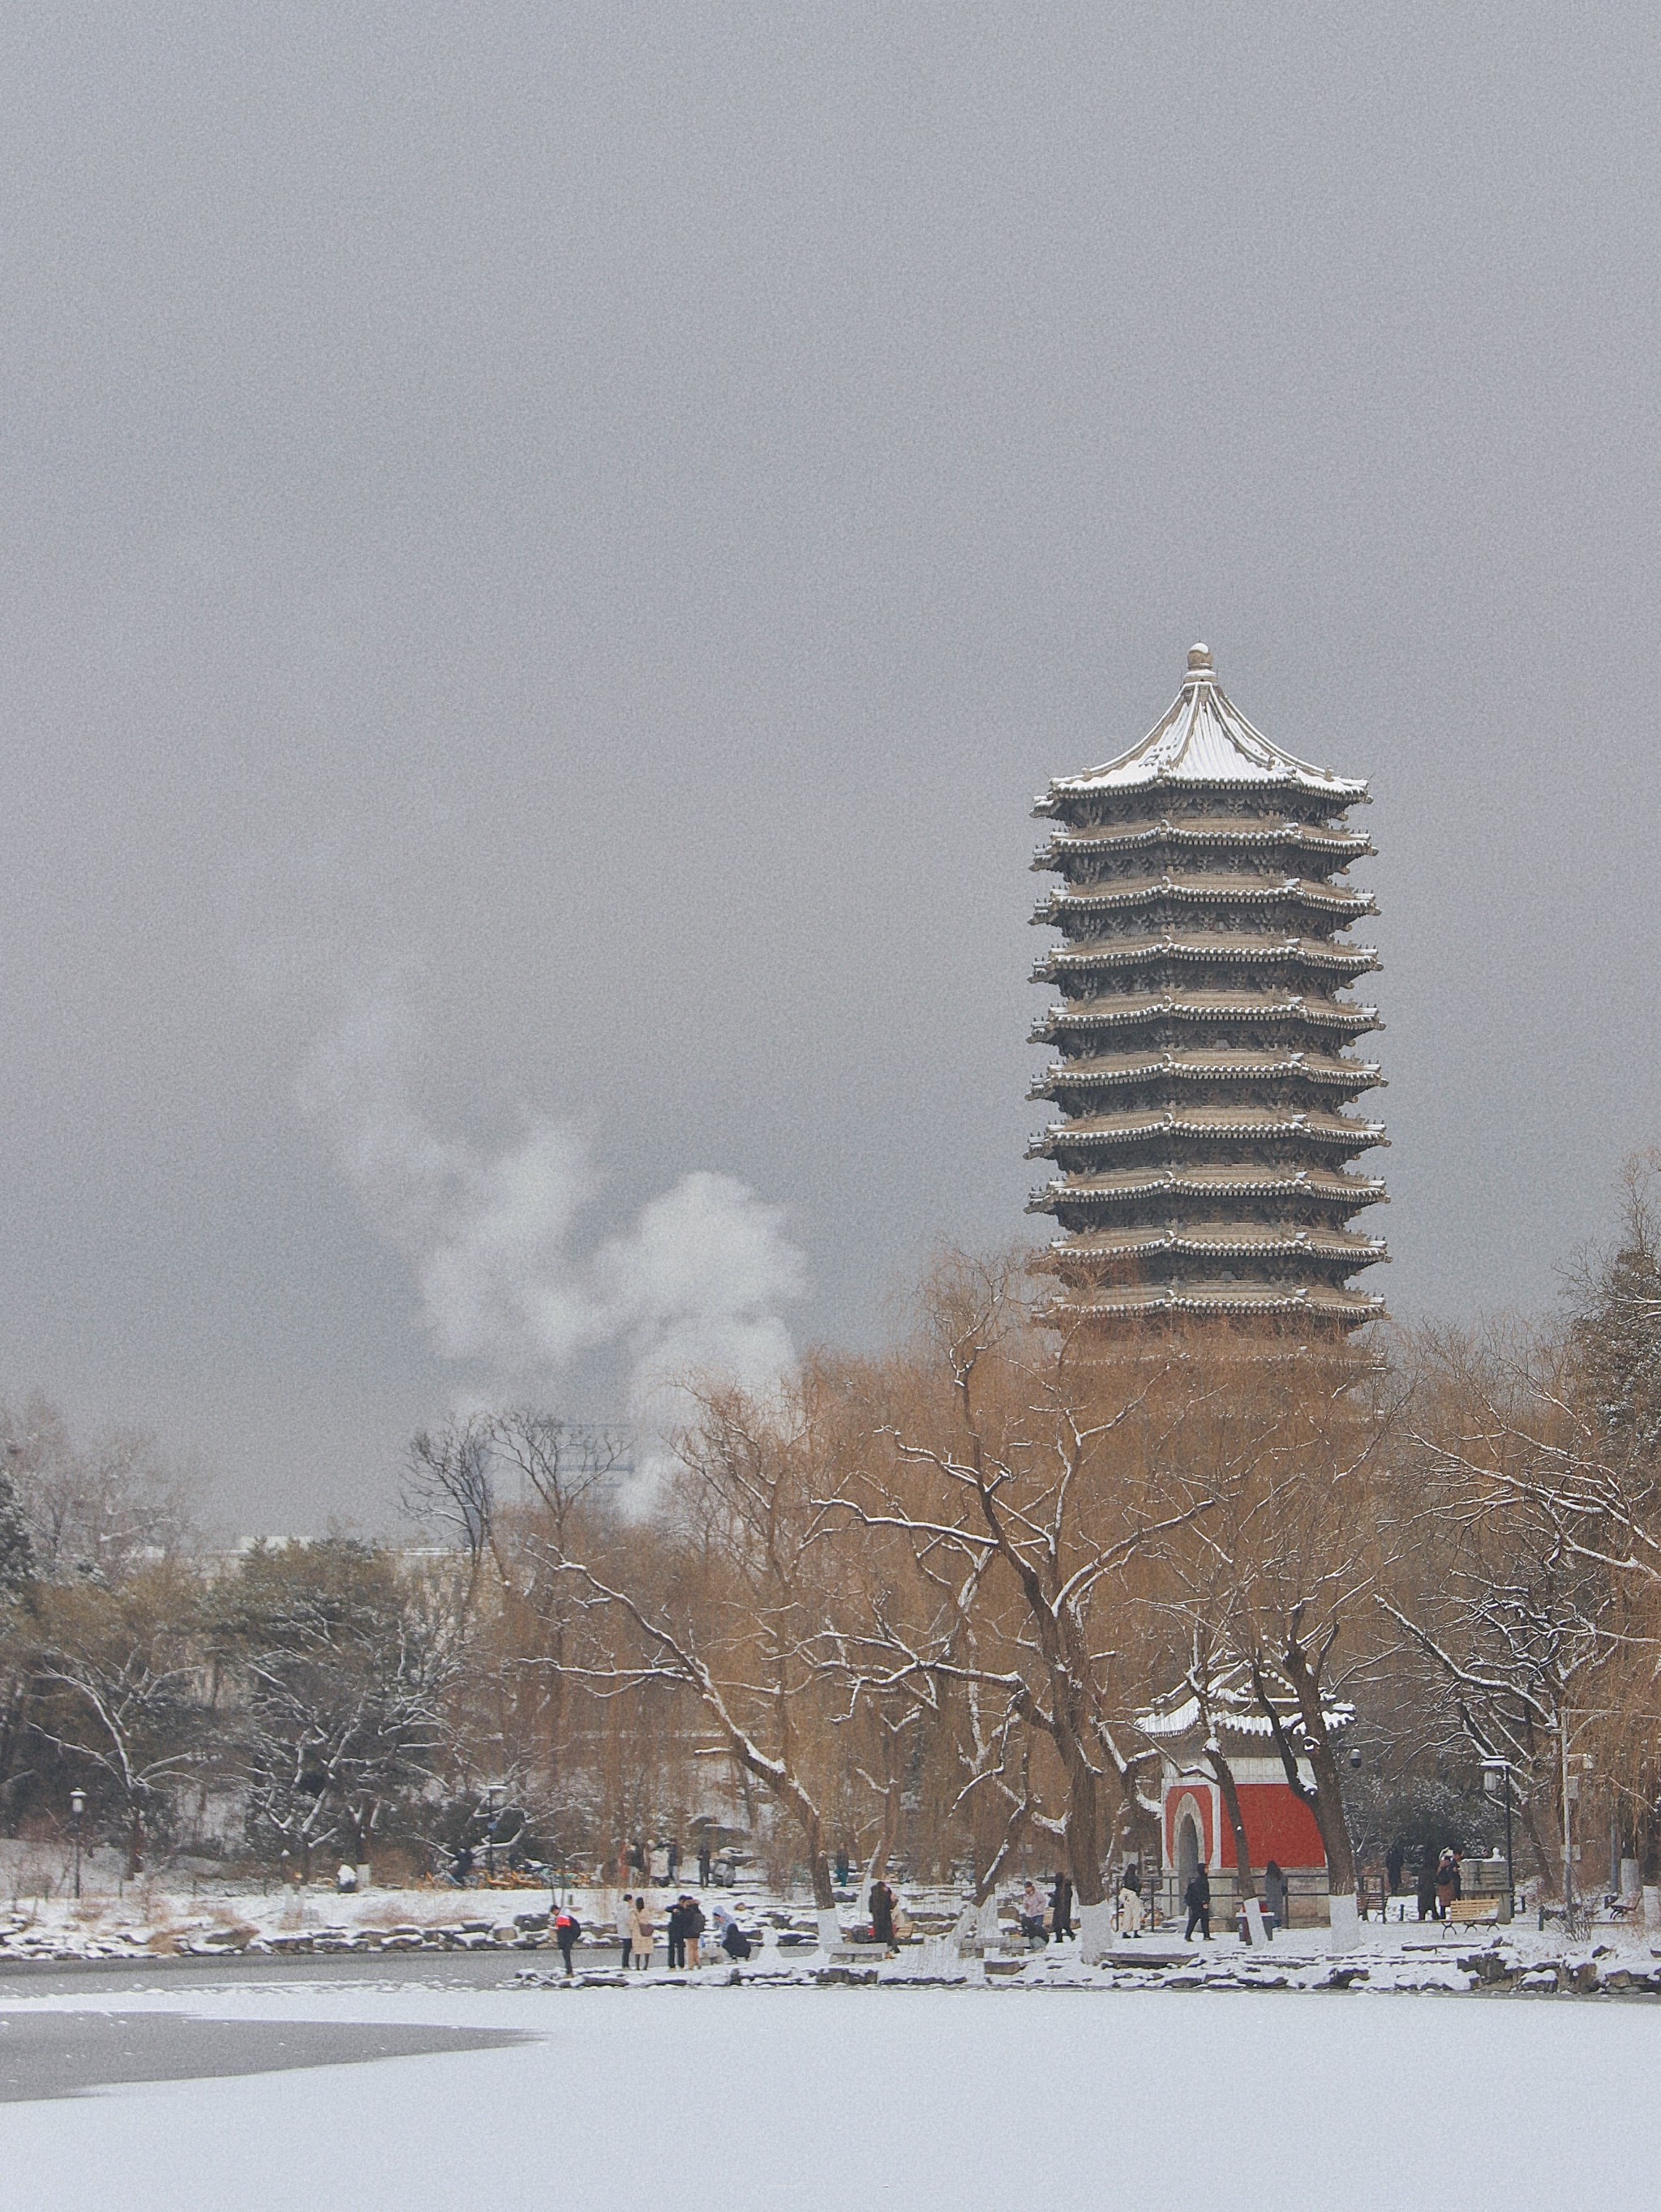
{"x":1199,"y":662}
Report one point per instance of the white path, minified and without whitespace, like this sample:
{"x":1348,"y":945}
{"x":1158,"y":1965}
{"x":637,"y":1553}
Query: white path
{"x":716,"y":2100}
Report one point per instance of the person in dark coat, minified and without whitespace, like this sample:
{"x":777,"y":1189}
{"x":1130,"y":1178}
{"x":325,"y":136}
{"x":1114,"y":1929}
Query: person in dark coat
{"x":674,"y":1857}
{"x":1425,"y":1888}
{"x":703,"y":1863}
{"x":1060,"y":1908}
{"x":1197,"y":1898}
{"x":734,"y":1942}
{"x":1274,"y":1893}
{"x":692,"y":1927}
{"x":567,"y":1929}
{"x":882,"y":1913}
{"x":1447,"y":1881}
{"x":677,"y":1932}
{"x":1395,"y":1859}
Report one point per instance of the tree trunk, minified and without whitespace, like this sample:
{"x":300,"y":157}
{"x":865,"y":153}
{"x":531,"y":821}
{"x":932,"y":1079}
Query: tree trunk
{"x":1325,"y":1800}
{"x":1083,"y":1830}
{"x":1329,"y":1805}
{"x":1243,"y":1876}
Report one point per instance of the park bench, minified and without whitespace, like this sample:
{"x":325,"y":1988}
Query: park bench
{"x":1473,"y":1912}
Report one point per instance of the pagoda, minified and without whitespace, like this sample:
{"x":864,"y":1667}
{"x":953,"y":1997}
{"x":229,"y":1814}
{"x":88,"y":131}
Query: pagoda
{"x":1204,"y":1035}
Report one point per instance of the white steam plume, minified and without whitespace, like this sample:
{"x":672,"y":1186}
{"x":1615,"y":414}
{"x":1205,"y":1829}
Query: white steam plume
{"x":693,"y":1287}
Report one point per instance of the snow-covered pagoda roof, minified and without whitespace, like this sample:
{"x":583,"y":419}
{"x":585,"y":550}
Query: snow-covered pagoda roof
{"x":1234,"y":1707}
{"x":1203,"y":738}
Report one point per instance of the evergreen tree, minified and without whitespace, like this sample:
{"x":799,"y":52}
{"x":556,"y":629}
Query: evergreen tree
{"x":1617,"y":1320}
{"x":16,"y":1552}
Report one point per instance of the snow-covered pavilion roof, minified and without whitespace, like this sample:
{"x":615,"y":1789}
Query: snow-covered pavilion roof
{"x":1234,"y":1707}
{"x":1203,"y":738}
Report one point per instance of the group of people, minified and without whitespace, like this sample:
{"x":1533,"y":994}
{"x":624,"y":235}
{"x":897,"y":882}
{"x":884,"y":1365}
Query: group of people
{"x":661,"y":1864}
{"x":1196,"y":1901}
{"x":684,"y":1926}
{"x":1438,"y":1884}
{"x":1046,"y":1920}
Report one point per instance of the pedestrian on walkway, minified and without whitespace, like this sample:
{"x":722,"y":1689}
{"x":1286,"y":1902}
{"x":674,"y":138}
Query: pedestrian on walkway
{"x":1130,"y":1900}
{"x":1275,"y":1894}
{"x":567,"y":1929}
{"x":882,"y":1913}
{"x":675,"y":1929}
{"x":1029,"y":1910}
{"x":1447,"y":1881}
{"x":640,"y":1934}
{"x":1197,"y":1898}
{"x":1060,"y":1908}
{"x":703,"y":1863}
{"x":626,"y":1927}
{"x":693,"y":1923}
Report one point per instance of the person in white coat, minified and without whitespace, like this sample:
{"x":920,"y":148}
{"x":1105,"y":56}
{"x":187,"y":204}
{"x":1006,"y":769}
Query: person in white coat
{"x":639,"y":1934}
{"x":1130,"y":1902}
{"x":626,"y":1927}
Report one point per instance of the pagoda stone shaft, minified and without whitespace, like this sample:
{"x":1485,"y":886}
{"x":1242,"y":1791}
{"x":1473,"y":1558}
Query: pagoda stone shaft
{"x":1204,"y":1033}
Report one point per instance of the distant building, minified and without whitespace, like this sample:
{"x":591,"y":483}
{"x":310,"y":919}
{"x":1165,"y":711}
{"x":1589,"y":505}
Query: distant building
{"x":1204,"y":1033}
{"x":1194,"y":1829}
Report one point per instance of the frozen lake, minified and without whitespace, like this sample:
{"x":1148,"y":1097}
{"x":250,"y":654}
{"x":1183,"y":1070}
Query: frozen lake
{"x":722,"y":2100}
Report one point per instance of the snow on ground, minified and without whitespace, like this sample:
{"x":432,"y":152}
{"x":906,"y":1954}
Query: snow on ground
{"x":844,"y":2099}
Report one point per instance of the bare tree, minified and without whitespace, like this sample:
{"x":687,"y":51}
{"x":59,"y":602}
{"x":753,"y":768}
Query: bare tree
{"x":94,"y":1510}
{"x":1032,"y":1509}
{"x":733,"y":1624}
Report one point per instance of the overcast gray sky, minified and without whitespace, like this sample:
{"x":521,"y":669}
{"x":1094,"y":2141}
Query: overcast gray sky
{"x":549,"y":547}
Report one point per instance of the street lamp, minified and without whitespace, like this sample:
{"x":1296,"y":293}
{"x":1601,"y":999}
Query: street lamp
{"x":494,"y":1792}
{"x":77,"y":1807}
{"x":1496,"y":1780}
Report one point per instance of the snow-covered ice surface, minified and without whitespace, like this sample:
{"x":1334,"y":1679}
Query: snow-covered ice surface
{"x":847,"y":2098}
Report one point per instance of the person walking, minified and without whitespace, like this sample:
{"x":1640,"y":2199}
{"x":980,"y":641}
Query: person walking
{"x":703,"y":1863}
{"x":1447,"y":1881}
{"x":1130,"y":1900}
{"x":674,"y":1858}
{"x":882,"y":1913}
{"x":675,"y":1929}
{"x":1275,"y":1894}
{"x":567,"y":1929}
{"x":1395,"y":1859}
{"x":626,"y":1927}
{"x":1197,"y":1898}
{"x":693,"y":1925}
{"x":640,"y":1934}
{"x":1029,"y":1911}
{"x":1060,"y":1908}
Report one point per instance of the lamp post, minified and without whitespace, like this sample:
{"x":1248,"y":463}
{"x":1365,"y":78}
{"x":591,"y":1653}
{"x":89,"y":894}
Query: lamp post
{"x":1496,"y":1780}
{"x":77,"y":1807}
{"x":493,"y":1796}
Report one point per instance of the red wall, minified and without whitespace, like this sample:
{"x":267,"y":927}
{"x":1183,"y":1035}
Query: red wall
{"x":1277,"y":1827}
